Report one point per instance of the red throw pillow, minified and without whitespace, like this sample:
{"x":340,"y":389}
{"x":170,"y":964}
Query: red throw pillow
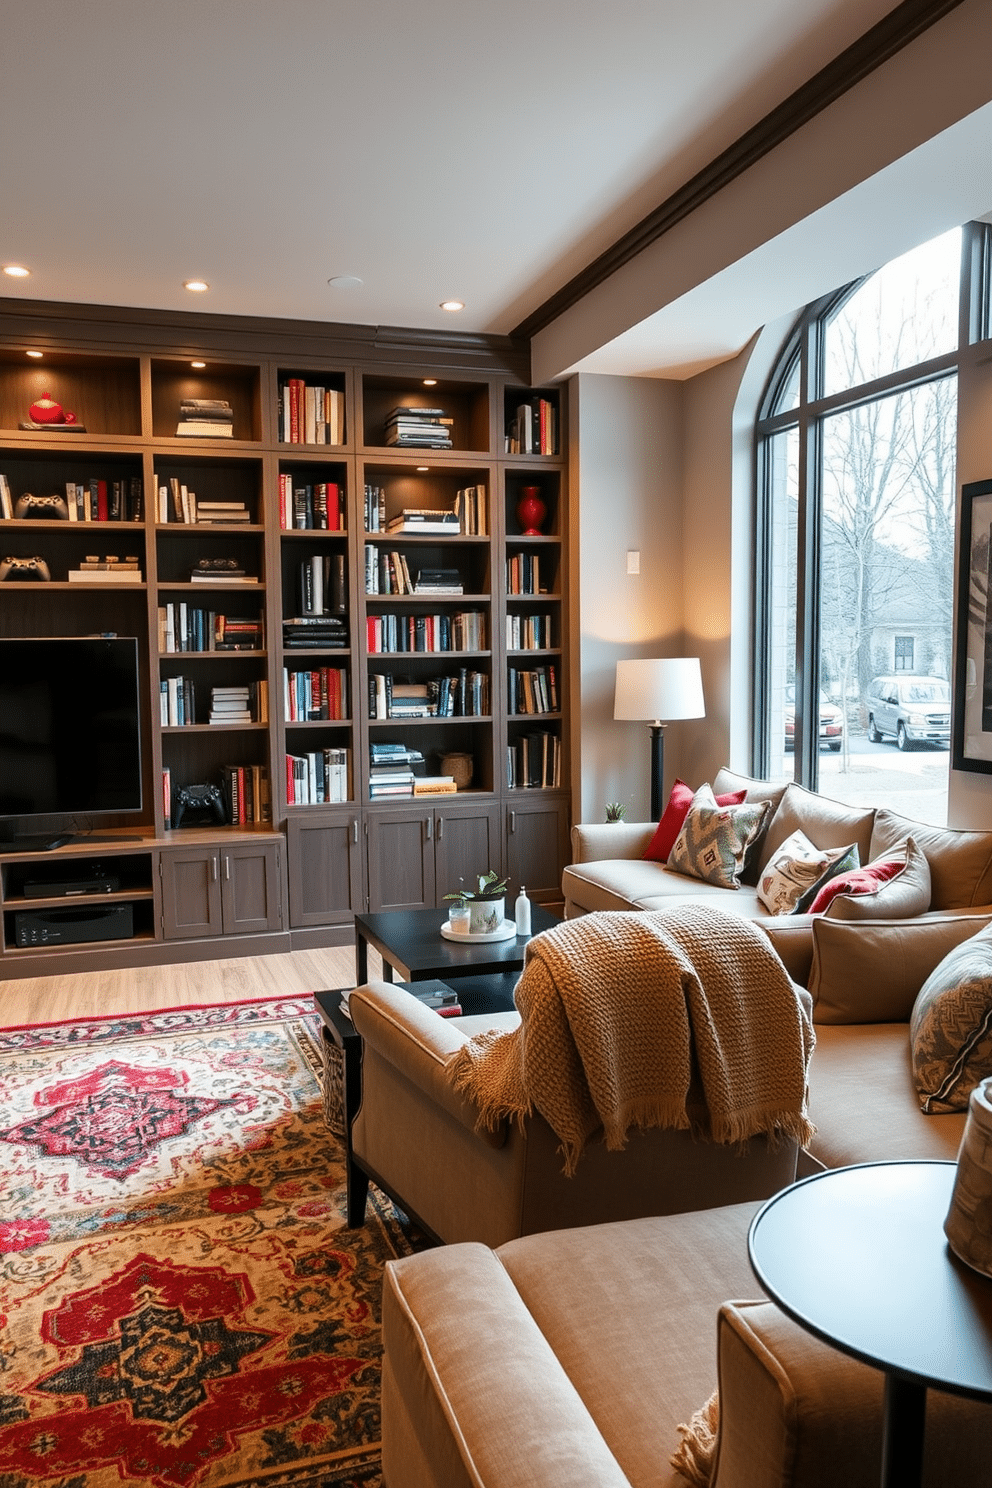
{"x":859,"y":881}
{"x":675,"y":814}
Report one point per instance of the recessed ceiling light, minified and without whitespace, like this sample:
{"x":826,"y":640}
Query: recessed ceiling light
{"x":198,"y":365}
{"x":196,"y":285}
{"x":430,"y":382}
{"x":452,"y":305}
{"x":16,"y":271}
{"x":423,"y":468}
{"x":346,"y":281}
{"x":36,"y":354}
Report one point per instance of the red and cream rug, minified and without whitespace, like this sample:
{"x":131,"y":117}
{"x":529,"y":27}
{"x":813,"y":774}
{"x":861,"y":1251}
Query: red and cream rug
{"x":180,"y":1301}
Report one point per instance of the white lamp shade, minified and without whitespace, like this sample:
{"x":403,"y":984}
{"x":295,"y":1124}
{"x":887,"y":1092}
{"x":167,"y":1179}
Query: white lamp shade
{"x":659,"y":690}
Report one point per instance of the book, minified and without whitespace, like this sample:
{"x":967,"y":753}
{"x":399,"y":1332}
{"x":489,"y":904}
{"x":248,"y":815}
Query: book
{"x":116,"y":574}
{"x":434,"y":785}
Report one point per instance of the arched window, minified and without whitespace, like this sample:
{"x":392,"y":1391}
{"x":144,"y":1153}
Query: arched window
{"x":854,"y":570}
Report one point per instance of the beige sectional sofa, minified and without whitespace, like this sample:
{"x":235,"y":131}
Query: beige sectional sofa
{"x":568,"y":1359}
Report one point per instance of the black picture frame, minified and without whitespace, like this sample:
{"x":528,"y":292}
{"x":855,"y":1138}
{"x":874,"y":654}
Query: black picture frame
{"x":973,"y":659}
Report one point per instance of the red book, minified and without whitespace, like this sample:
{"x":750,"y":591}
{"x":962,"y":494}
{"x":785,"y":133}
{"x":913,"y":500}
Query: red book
{"x":333,"y":507}
{"x":101,"y":501}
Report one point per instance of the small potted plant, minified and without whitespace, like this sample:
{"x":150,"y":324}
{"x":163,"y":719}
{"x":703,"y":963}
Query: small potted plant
{"x":486,"y":904}
{"x":616,"y":811}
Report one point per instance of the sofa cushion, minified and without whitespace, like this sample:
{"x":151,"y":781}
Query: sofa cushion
{"x":826,"y":823}
{"x":872,"y":973}
{"x":960,"y":862}
{"x":674,"y":815}
{"x":714,"y":840}
{"x":951,"y":1027}
{"x":796,"y":866}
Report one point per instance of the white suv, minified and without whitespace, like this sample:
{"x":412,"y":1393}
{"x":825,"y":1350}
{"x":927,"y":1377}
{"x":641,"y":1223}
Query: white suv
{"x":916,"y":710}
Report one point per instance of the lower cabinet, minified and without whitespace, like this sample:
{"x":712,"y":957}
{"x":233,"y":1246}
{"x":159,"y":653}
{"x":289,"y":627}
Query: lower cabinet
{"x":326,"y":881}
{"x":417,"y":854}
{"x":213,"y":889}
{"x":537,"y":845}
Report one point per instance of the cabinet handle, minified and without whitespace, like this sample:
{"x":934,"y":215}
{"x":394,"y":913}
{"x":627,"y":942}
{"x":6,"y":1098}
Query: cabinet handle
{"x":213,"y":868}
{"x":513,"y":821}
{"x":354,"y":829}
{"x":429,"y":824}
{"x":227,"y":865}
{"x":440,"y":828}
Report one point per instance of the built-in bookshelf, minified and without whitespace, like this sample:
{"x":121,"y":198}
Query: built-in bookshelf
{"x":324,"y":561}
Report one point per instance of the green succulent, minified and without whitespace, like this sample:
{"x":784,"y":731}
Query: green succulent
{"x":616,"y":811}
{"x":491,"y":886}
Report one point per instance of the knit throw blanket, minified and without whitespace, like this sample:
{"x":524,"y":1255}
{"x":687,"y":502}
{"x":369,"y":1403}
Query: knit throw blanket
{"x":682,"y":1018}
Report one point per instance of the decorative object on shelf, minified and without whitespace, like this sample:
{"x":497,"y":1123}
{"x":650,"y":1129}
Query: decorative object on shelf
{"x":24,"y":570}
{"x":657,"y":691}
{"x":460,"y":767}
{"x":51,"y":417}
{"x":968,"y":1225}
{"x":616,"y":811}
{"x":31,"y":508}
{"x":531,"y":511}
{"x":205,"y":802}
{"x":458,"y":919}
{"x":521,"y":912}
{"x":487,"y":903}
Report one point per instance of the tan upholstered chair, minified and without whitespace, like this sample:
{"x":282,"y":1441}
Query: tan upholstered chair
{"x":416,"y":1137}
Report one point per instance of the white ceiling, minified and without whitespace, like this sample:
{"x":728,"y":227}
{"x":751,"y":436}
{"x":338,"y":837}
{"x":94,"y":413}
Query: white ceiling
{"x":447,"y":149}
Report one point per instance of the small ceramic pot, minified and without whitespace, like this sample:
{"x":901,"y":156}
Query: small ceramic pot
{"x":485,"y":915}
{"x":968,"y":1225}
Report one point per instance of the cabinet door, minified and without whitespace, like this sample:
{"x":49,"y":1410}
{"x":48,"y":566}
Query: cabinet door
{"x":191,"y":893}
{"x":401,"y":859}
{"x":325,"y":868}
{"x":251,"y":888}
{"x":537,"y":844}
{"x":466,"y":844}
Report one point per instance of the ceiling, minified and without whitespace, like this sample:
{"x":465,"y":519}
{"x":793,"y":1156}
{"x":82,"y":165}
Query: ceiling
{"x":446,"y":150}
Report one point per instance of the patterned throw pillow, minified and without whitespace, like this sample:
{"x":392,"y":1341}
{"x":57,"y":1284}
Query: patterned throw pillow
{"x":714,"y":840}
{"x":866,"y":880}
{"x":901,"y":897}
{"x":842,"y":860}
{"x":674,"y":816}
{"x":792,"y":869}
{"x":950,"y":1031}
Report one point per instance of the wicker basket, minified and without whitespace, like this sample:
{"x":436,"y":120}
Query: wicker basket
{"x":460,"y":766}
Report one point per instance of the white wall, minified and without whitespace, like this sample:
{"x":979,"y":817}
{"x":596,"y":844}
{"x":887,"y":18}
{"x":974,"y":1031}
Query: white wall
{"x":626,"y":472}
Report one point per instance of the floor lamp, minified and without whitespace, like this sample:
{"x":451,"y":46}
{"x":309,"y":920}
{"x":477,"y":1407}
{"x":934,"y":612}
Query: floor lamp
{"x":658,"y":692}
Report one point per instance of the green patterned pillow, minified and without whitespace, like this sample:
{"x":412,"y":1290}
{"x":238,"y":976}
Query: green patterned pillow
{"x":842,"y":860}
{"x":950,"y":1029}
{"x":714,"y":840}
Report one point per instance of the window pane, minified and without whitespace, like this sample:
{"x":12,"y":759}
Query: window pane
{"x":780,"y":599}
{"x":904,"y":314}
{"x":788,"y":394}
{"x":886,"y":596}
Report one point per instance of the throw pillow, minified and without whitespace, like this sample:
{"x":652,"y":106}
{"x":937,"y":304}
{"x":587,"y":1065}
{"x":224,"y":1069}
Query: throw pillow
{"x":864,"y":880}
{"x":950,"y":1031}
{"x":902,"y":897}
{"x":714,"y":840}
{"x":842,"y":860}
{"x":674,"y":816}
{"x":794,"y":867}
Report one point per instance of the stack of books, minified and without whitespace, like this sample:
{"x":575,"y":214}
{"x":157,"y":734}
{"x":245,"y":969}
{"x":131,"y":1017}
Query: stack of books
{"x":423,"y":519}
{"x":222,"y":571}
{"x":434,"y":785}
{"x":218,"y":512}
{"x":418,"y":428}
{"x":393,"y":769}
{"x":315,"y":633}
{"x":244,"y":704}
{"x":106,"y":571}
{"x":438,"y":581}
{"x":206,"y":418}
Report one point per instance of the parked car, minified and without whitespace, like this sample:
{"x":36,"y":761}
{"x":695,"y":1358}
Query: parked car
{"x":915,"y":710}
{"x":831,"y":722}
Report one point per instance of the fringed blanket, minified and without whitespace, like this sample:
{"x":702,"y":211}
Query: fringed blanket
{"x":680,"y":1018}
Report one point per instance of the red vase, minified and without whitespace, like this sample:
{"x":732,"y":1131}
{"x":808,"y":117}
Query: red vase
{"x":531,"y":511}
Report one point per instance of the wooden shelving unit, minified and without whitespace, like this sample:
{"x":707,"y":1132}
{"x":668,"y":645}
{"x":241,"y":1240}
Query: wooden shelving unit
{"x":296,"y":877}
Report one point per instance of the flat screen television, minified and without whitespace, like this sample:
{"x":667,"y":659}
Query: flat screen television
{"x":70,"y":736}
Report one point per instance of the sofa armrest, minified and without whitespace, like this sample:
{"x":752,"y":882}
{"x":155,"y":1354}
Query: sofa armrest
{"x":419,"y":1043}
{"x":597,"y":842}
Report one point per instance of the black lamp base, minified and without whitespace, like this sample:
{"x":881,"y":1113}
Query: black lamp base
{"x":657,"y":770}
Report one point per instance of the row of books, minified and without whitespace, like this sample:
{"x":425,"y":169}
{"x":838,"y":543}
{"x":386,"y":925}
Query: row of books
{"x":375,"y":509}
{"x":523,"y":574}
{"x":205,"y":418}
{"x":314,"y":633}
{"x":178,"y":502}
{"x":322,"y":585}
{"x":464,"y":694}
{"x":246,"y":702}
{"x":533,"y":428}
{"x":305,"y":506}
{"x":310,"y":414}
{"x":247,"y":795}
{"x":317,"y":777}
{"x":533,"y":761}
{"x":319,"y":694}
{"x":532,"y":691}
{"x":185,"y":627}
{"x":94,"y":500}
{"x":528,"y":632}
{"x":470,"y":504}
{"x":409,"y":427}
{"x":387,"y":571}
{"x":465,"y":630}
{"x":384,"y":782}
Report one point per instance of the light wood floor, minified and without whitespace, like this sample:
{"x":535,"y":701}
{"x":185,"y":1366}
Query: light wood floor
{"x":88,"y":994}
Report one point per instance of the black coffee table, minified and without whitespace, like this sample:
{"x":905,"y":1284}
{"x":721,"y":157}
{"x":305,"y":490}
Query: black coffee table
{"x":857,"y":1256}
{"x":410,"y":942}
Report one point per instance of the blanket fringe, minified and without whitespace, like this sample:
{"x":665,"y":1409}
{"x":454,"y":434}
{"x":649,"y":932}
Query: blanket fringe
{"x":695,"y":1455}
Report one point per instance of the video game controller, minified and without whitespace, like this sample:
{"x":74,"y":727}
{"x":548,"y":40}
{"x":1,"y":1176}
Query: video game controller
{"x":41,"y":508}
{"x":24,"y":570}
{"x":201,"y":799}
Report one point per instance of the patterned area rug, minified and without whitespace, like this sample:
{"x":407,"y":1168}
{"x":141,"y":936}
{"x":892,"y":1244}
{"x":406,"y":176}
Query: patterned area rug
{"x":181,"y":1303}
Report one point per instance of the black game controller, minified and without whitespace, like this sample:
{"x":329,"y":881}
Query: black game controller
{"x":202,"y":800}
{"x":24,"y":570}
{"x":41,"y":508}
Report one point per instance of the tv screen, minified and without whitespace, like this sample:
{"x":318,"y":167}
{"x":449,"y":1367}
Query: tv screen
{"x":70,"y":735}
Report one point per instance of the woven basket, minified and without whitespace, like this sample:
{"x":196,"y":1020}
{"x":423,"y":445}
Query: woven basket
{"x":460,"y":766}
